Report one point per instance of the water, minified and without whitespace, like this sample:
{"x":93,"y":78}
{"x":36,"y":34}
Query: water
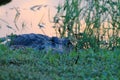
{"x":26,"y":16}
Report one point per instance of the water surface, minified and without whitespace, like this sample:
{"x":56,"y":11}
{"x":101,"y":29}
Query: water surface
{"x":24,"y":16}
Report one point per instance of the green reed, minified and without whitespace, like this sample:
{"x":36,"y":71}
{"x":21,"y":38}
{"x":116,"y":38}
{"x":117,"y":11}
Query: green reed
{"x":102,"y":23}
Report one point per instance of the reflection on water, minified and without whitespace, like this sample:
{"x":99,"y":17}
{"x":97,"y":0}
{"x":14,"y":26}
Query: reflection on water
{"x":27,"y":16}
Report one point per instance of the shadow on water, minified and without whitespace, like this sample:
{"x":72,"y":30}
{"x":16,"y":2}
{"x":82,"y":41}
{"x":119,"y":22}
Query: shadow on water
{"x":3,"y":2}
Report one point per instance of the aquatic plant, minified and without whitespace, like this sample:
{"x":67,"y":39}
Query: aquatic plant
{"x":101,"y":19}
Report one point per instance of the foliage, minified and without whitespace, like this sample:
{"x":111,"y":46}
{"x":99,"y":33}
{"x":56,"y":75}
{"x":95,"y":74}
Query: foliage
{"x":29,"y":64}
{"x":98,"y":62}
{"x":102,"y":22}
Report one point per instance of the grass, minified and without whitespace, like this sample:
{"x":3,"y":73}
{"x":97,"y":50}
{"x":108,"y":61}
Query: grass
{"x":93,"y":58}
{"x":101,"y":19}
{"x":29,"y":64}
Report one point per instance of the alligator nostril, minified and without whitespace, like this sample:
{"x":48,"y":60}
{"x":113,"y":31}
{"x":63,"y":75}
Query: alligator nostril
{"x":3,"y":2}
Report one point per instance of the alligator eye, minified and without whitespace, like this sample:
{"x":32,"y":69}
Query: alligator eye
{"x":3,"y":2}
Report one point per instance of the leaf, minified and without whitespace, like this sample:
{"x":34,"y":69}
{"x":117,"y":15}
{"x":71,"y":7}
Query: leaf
{"x":37,"y":7}
{"x":16,"y":18}
{"x":10,"y":27}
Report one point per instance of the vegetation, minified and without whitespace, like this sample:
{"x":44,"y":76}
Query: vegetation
{"x":101,"y":19}
{"x":30,"y":64}
{"x":96,"y":55}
